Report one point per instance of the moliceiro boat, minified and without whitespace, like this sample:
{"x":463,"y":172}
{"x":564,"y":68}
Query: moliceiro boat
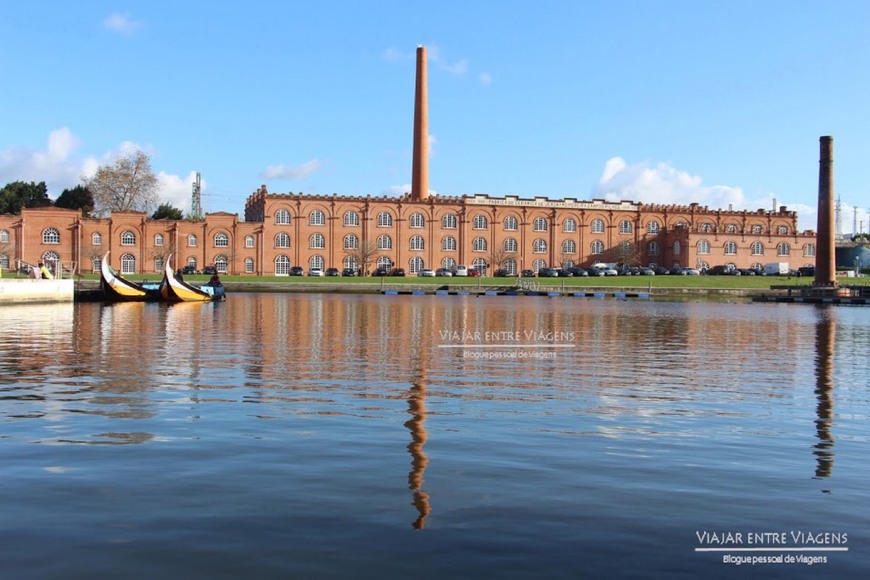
{"x":118,"y":289}
{"x":174,"y":290}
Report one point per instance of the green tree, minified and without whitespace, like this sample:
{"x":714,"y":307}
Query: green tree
{"x":18,"y":194}
{"x":166,"y":211}
{"x":79,"y":197}
{"x":129,"y":184}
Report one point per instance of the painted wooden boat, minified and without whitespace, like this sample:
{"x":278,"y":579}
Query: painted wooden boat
{"x":117,"y":288}
{"x":174,"y":290}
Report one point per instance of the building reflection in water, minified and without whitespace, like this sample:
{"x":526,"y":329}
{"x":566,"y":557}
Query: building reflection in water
{"x":417,"y":409}
{"x":825,"y":334}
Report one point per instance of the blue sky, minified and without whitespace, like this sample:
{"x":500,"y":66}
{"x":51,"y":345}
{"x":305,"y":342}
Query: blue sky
{"x":657,"y":101}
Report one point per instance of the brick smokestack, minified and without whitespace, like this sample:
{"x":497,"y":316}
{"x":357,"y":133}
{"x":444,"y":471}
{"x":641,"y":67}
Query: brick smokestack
{"x":420,"y":170}
{"x":825,"y":252}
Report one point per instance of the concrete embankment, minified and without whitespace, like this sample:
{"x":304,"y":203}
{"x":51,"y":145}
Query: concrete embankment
{"x":29,"y":290}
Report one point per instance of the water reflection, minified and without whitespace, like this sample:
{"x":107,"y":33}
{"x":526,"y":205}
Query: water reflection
{"x":419,"y":461}
{"x":825,"y":337}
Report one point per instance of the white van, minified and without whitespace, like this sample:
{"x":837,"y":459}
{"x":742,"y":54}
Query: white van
{"x":461,"y":271}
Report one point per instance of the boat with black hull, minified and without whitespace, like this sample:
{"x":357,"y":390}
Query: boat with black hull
{"x":116,"y":288}
{"x":174,"y":290}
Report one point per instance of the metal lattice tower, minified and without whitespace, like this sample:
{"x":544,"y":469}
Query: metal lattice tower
{"x":196,"y":204}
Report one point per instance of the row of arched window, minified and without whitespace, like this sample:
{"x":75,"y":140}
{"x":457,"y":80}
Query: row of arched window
{"x":539,"y":224}
{"x":755,"y":249}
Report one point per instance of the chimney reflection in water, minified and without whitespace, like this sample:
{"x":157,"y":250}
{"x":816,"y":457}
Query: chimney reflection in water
{"x":825,"y":331}
{"x":417,"y":410}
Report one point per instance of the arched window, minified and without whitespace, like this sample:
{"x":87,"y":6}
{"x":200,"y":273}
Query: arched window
{"x":539,"y":246}
{"x":782,"y":230}
{"x":448,"y":244}
{"x":569,"y":225}
{"x":730,"y":248}
{"x":678,"y":249}
{"x":597,"y":248}
{"x":220,"y":264}
{"x":597,"y":226}
{"x":249,"y":241}
{"x":97,"y":239}
{"x":415,"y":265}
{"x":510,"y":245}
{"x":192,"y":262}
{"x":128,"y":238}
{"x":249,"y":265}
{"x":128,"y":264}
{"x":50,"y":236}
{"x":540,"y":224}
{"x":4,"y":261}
{"x":385,"y":262}
{"x":282,"y":240}
{"x":282,"y":266}
{"x":756,"y":249}
{"x":385,"y":219}
{"x":158,"y":239}
{"x":809,"y":250}
{"x":191,"y":241}
{"x":510,"y":267}
{"x":351,"y":219}
{"x":385,"y":242}
{"x":351,"y":242}
{"x":221,"y":240}
{"x":417,"y":243}
{"x":568,"y":264}
{"x":317,"y":242}
{"x":707,"y":227}
{"x":4,"y":237}
{"x":317,"y":218}
{"x":653,"y":249}
{"x":448,"y":263}
{"x":316,"y":262}
{"x":538,"y":265}
{"x":783,"y":249}
{"x":478,"y":244}
{"x":480,"y":265}
{"x":625,"y":227}
{"x":282,"y":217}
{"x":569,"y":247}
{"x":757,"y":229}
{"x":703,"y":247}
{"x":416,"y":220}
{"x":448,"y":222}
{"x":652,"y":227}
{"x":731,"y":229}
{"x":480,"y":222}
{"x":511,"y":224}
{"x":350,"y":263}
{"x":95,"y":264}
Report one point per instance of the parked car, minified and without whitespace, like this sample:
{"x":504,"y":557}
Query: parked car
{"x":209,"y":270}
{"x":349,"y":272}
{"x":398,"y":272}
{"x":809,"y":271}
{"x":548,"y":273}
{"x":691,"y":272}
{"x":660,"y":270}
{"x":315,"y":272}
{"x":461,"y":271}
{"x":577,"y":271}
{"x":502,"y":273}
{"x":189,"y":270}
{"x":381,"y":272}
{"x":332,"y":272}
{"x":593,"y":271}
{"x":427,"y":273}
{"x":610,"y":272}
{"x":528,"y":273}
{"x":474,"y":273}
{"x":297,"y":271}
{"x":647,"y":272}
{"x":443,"y":272}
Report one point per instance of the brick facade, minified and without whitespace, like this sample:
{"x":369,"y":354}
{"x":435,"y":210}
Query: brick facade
{"x":284,"y":230}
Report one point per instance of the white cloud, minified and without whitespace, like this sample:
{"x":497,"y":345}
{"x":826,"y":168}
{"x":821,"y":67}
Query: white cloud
{"x":665,"y":184}
{"x":485,"y":79}
{"x":293,"y":173}
{"x":121,"y":23}
{"x":61,"y":168}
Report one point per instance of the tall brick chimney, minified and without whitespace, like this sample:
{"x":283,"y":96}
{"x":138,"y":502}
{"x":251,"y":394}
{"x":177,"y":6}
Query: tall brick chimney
{"x":420,"y":169}
{"x":826,"y":274}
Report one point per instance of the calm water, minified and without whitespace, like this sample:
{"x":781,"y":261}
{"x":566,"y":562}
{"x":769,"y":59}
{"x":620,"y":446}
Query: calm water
{"x":287,"y":436}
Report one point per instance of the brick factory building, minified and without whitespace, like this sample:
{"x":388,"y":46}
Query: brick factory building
{"x":413,"y":232}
